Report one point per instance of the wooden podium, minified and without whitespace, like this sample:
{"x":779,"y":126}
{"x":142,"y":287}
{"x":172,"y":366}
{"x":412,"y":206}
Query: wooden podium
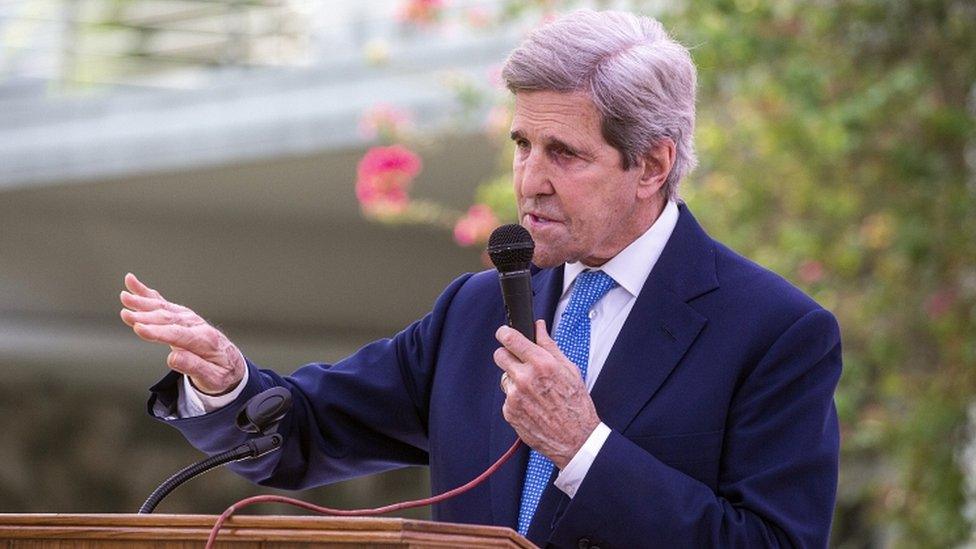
{"x":40,"y":531}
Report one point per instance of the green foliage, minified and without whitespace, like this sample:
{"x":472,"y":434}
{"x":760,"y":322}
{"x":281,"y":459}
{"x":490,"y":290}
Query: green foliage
{"x":833,"y":140}
{"x":837,"y":145}
{"x":498,"y":195}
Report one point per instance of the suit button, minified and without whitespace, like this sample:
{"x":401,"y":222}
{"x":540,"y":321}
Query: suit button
{"x":583,"y":543}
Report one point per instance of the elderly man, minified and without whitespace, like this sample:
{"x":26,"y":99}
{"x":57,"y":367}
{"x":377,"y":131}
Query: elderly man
{"x":685,"y":397}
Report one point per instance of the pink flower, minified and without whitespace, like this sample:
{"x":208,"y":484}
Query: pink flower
{"x":383,"y":177}
{"x":421,"y":12}
{"x":475,"y":226}
{"x":385,"y":121}
{"x":811,"y":271}
{"x":940,"y":303}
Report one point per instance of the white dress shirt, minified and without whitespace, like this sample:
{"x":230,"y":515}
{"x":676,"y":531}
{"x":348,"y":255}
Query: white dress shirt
{"x":629,"y":268}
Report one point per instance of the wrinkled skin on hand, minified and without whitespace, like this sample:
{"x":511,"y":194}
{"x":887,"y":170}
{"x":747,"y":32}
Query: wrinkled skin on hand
{"x":546,"y":399}
{"x":214,"y":365}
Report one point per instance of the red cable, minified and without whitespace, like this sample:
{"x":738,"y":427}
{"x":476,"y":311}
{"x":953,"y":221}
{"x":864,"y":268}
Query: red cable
{"x":359,"y":512}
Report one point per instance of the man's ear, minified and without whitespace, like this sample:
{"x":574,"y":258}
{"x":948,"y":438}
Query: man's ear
{"x":657,"y":164}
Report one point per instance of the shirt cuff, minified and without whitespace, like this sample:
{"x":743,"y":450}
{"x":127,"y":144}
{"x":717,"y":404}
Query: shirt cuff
{"x":193,"y":403}
{"x":572,"y":475}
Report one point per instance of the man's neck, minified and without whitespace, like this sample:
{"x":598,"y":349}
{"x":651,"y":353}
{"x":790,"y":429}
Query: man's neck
{"x":644,"y":218}
{"x":631,"y":266}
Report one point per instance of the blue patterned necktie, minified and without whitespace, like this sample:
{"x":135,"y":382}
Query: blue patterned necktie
{"x":573,"y":338}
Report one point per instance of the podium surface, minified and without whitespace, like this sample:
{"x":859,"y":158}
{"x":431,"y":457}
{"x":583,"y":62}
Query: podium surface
{"x":38,"y":531}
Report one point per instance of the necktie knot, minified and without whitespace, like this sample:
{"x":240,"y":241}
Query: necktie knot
{"x":590,"y":287}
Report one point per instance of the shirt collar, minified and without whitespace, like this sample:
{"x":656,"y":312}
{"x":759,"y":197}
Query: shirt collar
{"x":631,"y":267}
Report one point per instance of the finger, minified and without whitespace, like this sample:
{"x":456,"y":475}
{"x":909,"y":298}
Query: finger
{"x":177,"y":336}
{"x":518,"y":345}
{"x":507,"y":361}
{"x":140,"y":303}
{"x":124,"y":313}
{"x":507,"y":412}
{"x":159,"y":316}
{"x":543,"y":340}
{"x":137,"y":287}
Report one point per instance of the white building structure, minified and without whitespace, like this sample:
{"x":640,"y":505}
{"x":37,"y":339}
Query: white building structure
{"x":218,"y":162}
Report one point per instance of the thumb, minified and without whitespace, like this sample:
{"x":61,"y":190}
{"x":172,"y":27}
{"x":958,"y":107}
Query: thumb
{"x":543,"y":340}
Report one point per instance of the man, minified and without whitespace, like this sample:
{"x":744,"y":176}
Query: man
{"x":684,"y":398}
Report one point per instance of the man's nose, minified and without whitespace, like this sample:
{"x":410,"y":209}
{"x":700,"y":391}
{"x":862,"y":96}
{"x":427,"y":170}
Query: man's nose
{"x":536,"y":175}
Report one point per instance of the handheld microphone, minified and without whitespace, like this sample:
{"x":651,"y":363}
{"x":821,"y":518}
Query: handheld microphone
{"x":510,"y":248}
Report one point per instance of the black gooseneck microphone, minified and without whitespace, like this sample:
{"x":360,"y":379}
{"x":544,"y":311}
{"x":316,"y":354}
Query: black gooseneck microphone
{"x":510,"y":248}
{"x":260,"y":415}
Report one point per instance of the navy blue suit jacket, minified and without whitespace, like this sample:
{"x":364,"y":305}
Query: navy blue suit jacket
{"x":718,"y":391}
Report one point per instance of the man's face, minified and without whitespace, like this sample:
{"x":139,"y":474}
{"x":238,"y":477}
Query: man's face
{"x":573,"y":196}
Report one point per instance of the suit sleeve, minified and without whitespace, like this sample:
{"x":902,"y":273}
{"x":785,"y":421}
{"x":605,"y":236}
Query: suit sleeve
{"x":364,"y":414}
{"x":778,"y":473}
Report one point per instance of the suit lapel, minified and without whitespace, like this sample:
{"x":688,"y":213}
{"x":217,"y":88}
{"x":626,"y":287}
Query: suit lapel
{"x":661,"y":326}
{"x":506,"y":484}
{"x":657,"y":334}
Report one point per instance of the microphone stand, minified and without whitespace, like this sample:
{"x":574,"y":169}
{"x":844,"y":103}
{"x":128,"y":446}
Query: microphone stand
{"x":261,"y":414}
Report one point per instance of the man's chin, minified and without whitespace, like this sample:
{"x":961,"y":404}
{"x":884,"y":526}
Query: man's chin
{"x":545,"y":259}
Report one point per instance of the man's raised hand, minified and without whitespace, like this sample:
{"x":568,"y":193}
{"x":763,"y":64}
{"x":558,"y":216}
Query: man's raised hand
{"x":197,"y":349}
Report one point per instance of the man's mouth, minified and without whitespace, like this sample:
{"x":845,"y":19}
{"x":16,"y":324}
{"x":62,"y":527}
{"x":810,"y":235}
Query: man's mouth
{"x":538,"y":219}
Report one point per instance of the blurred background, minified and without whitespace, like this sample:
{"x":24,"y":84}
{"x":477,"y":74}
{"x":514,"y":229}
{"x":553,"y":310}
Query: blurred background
{"x":270,"y":162}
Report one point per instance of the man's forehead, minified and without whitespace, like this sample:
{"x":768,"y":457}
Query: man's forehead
{"x":575,"y":103}
{"x":554,"y":114}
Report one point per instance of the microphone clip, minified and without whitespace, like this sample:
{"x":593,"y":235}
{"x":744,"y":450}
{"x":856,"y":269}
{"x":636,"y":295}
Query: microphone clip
{"x":262,"y":415}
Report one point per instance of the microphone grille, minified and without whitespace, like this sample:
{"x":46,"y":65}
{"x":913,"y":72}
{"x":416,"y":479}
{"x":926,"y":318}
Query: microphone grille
{"x":510,"y":248}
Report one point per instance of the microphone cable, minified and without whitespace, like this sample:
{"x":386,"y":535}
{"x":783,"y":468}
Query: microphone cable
{"x":359,"y":512}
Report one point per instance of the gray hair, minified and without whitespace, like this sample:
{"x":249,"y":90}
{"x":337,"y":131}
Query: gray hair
{"x":641,"y":81}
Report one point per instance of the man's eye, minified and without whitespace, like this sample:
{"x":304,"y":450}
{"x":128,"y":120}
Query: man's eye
{"x":521,"y":143}
{"x":562,"y":151}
